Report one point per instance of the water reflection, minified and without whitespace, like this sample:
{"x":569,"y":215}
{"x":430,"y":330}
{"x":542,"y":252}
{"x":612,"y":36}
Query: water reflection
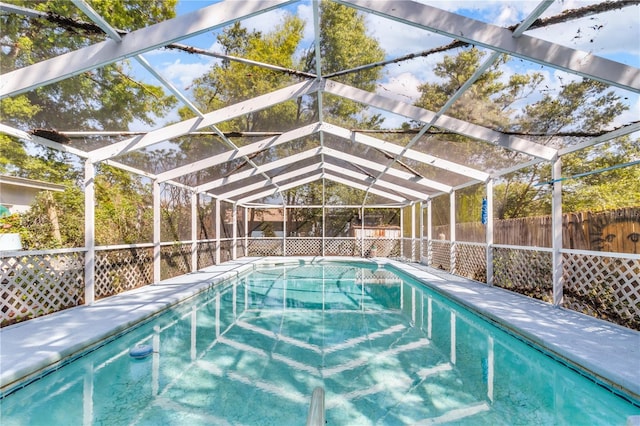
{"x":386,"y":350}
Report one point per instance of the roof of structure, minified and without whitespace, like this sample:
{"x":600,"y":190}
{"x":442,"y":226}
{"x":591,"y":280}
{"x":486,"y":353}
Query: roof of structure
{"x":389,"y":164}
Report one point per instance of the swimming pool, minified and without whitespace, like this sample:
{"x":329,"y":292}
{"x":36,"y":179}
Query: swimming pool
{"x":387,"y":350}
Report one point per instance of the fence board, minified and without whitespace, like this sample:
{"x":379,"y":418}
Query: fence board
{"x":614,"y":231}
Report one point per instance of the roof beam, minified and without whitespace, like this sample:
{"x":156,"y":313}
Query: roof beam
{"x":285,"y":187}
{"x":362,"y":187}
{"x":427,"y":183}
{"x":292,"y":159}
{"x":414,"y":155}
{"x":240,"y":152}
{"x":452,"y":124}
{"x":622,"y":131}
{"x":415,"y":195}
{"x":275,"y":180}
{"x":502,"y":40}
{"x":187,"y":126}
{"x":139,"y":41}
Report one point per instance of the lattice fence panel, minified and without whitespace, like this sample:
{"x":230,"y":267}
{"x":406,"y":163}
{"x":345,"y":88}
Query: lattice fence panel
{"x":524,"y":271}
{"x":341,"y":247}
{"x":37,"y":285}
{"x":122,"y":269}
{"x":389,"y":247}
{"x":265,"y":247}
{"x":603,"y":286}
{"x":175,"y":260}
{"x":407,"y":247}
{"x":304,"y":247}
{"x":241,"y":248}
{"x":471,"y":261}
{"x":426,"y":248}
{"x":206,"y":254}
{"x":440,"y":255}
{"x":226,"y":248}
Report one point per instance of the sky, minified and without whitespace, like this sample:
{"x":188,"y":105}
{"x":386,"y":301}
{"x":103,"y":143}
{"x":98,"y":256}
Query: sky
{"x":614,"y":35}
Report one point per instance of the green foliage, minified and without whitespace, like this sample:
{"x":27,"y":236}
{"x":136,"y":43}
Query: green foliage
{"x":344,"y":44}
{"x":105,"y":98}
{"x":609,"y":189}
{"x":579,"y":106}
{"x":123,"y":208}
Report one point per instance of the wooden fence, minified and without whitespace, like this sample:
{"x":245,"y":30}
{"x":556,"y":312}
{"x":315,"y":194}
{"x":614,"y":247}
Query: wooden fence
{"x":614,"y":231}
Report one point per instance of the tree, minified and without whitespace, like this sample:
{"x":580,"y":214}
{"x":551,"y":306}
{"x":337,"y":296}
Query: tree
{"x":344,"y":44}
{"x":585,"y":106}
{"x":103,"y":99}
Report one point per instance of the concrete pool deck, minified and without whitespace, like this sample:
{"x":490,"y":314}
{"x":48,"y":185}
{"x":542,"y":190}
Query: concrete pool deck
{"x":609,"y":353}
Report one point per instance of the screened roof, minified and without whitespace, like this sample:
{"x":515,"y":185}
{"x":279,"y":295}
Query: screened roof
{"x":286,"y":125}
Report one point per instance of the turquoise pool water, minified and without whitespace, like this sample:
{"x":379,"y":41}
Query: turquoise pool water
{"x":386,"y":349}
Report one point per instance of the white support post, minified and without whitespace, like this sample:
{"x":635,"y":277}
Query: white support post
{"x":489,"y":232}
{"x":452,"y":231}
{"x":421,"y":228}
{"x":362,"y":231}
{"x":156,"y":231}
{"x":429,"y":233}
{"x":89,"y":233}
{"x":234,"y":227}
{"x":556,"y":229}
{"x":194,"y":231}
{"x":246,"y":232}
{"x":217,"y":213}
{"x":284,"y":230}
{"x":401,"y":232}
{"x":413,"y":231}
{"x":323,"y":215}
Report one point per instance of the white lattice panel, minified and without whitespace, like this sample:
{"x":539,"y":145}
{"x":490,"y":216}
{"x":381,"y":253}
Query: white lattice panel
{"x":225,"y":251}
{"x":123,"y":269}
{"x":524,"y":271}
{"x":37,"y":285}
{"x":384,"y":247}
{"x":206,"y":254}
{"x":175,"y":260}
{"x":265,"y":247}
{"x":603,"y":286}
{"x":407,"y":249}
{"x":441,"y":255}
{"x":341,"y":247}
{"x":471,"y":261}
{"x":304,"y":247}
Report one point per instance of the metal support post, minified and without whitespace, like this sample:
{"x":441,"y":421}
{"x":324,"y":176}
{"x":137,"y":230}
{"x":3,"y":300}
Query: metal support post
{"x":452,"y":231}
{"x":194,"y":231}
{"x":156,"y":232}
{"x":489,"y":232}
{"x":89,"y":232}
{"x":556,"y":227}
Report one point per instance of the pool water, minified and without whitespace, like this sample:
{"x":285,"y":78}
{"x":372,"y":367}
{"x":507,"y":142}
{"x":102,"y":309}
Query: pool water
{"x":386,"y":349}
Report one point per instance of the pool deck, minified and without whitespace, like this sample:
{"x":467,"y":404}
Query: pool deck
{"x":609,"y":353}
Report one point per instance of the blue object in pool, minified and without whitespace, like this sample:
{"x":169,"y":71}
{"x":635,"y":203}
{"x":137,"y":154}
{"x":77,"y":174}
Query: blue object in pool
{"x":141,"y":351}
